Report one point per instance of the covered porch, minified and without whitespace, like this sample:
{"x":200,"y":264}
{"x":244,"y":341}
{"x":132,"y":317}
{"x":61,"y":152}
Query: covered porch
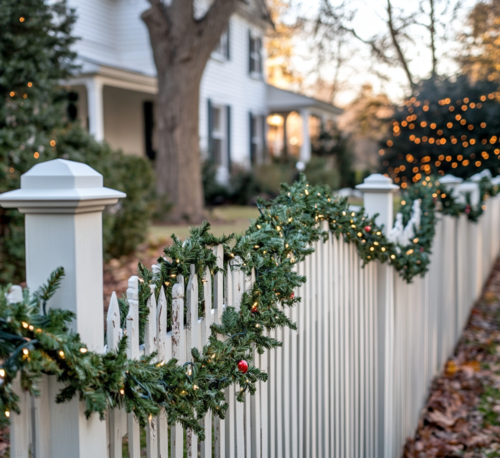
{"x":117,"y":106}
{"x":294,"y":119}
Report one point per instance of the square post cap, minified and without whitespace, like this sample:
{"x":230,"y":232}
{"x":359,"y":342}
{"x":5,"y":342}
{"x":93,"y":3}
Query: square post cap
{"x":60,"y":186}
{"x":377,"y":183}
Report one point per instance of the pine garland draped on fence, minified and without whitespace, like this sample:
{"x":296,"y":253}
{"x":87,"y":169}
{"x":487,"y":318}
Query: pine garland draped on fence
{"x":35,"y":340}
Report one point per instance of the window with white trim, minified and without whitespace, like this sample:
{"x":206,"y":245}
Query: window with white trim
{"x":255,"y":57}
{"x":219,"y":144}
{"x":256,"y":139}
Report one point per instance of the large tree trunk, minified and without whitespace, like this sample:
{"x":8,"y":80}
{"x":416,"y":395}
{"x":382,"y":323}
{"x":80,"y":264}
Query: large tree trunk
{"x":178,"y":161}
{"x":181,"y":48}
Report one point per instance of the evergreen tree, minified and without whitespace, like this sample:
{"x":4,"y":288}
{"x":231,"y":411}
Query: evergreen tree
{"x":34,"y":56}
{"x":445,"y":127}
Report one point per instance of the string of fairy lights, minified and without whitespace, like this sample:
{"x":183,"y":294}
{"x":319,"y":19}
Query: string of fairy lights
{"x":24,"y":95}
{"x":439,"y":138}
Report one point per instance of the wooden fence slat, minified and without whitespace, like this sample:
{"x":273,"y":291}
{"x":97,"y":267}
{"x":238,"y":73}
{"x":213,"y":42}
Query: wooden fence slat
{"x":20,"y":424}
{"x":219,"y":431}
{"x":161,"y":339}
{"x":192,"y":341}
{"x":134,"y":440}
{"x":115,"y":417}
{"x":294,"y":379}
{"x":238,"y":287}
{"x":150,"y":346}
{"x":177,"y":438}
{"x":325,"y":310}
{"x":206,"y":445}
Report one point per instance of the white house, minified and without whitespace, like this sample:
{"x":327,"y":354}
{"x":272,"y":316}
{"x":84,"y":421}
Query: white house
{"x":114,"y":93}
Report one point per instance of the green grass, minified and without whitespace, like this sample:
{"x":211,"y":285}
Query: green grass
{"x":224,"y":220}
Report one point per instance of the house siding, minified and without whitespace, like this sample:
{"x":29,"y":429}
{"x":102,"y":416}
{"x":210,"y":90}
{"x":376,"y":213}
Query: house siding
{"x":112,"y":33}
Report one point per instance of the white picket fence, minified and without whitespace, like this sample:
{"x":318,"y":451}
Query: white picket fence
{"x":350,"y":382}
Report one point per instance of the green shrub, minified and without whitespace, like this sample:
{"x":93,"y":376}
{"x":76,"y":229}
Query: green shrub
{"x":214,"y":192}
{"x":321,"y":170}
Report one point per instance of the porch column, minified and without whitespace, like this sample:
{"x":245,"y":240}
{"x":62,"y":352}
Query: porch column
{"x":95,"y":108}
{"x":285,"y":136}
{"x":305,"y":149}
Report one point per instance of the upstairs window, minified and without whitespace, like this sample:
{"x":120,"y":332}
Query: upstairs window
{"x":223,"y":48}
{"x":255,"y":55}
{"x":219,"y":135}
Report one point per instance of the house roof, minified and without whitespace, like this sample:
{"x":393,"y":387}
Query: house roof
{"x":255,"y":11}
{"x":281,"y":100}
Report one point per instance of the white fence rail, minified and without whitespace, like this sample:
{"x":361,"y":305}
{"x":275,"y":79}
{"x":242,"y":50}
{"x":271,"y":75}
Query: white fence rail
{"x":350,"y":382}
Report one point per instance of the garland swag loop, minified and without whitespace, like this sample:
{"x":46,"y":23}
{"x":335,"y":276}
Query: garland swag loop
{"x":36,"y":341}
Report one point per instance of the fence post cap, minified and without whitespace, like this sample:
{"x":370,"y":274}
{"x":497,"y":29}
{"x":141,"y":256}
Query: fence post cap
{"x":377,"y":183}
{"x":60,"y":186}
{"x":450,"y":179}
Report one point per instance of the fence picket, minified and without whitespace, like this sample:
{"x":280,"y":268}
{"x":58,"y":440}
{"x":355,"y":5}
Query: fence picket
{"x":116,"y":426}
{"x":219,"y":431}
{"x":134,"y":439}
{"x":206,"y":445}
{"x":178,"y":352}
{"x":161,"y":341}
{"x":150,"y":346}
{"x":192,"y":341}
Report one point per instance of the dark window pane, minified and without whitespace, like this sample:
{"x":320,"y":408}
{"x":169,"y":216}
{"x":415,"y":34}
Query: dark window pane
{"x":217,"y":151}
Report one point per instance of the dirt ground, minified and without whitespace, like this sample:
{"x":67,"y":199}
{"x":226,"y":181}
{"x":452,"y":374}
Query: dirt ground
{"x":462,"y":415}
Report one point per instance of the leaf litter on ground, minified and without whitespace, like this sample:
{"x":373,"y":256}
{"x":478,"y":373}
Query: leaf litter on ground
{"x":462,"y":414}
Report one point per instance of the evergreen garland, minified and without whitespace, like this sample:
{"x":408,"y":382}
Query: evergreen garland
{"x":35,"y":340}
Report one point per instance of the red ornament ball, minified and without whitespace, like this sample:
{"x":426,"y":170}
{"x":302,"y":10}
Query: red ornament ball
{"x":292,"y":295}
{"x":243,"y":366}
{"x":368,"y":228}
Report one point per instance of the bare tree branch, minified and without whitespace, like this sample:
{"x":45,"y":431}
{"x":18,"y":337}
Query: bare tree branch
{"x":397,"y":47}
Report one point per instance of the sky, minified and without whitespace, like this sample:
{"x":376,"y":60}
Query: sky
{"x":359,"y":67}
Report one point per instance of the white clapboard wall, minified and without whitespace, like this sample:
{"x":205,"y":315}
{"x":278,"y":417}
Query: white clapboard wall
{"x":350,"y":382}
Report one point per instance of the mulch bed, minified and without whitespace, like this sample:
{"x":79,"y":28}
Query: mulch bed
{"x":462,"y":415}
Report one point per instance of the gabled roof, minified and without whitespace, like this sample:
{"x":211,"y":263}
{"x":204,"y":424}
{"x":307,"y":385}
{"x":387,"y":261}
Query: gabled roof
{"x":281,"y":100}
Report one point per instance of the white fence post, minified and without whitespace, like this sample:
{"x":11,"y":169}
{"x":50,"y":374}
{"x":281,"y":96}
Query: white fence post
{"x":378,"y":198}
{"x":63,"y":202}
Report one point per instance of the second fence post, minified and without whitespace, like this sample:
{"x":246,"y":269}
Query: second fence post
{"x":378,"y":193}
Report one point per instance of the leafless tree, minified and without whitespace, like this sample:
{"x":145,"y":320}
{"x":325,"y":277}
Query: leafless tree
{"x":394,"y":44}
